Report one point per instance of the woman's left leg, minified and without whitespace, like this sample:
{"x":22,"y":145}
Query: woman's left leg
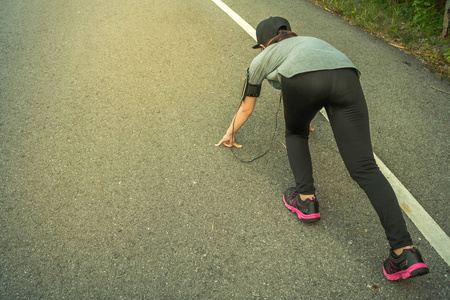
{"x":302,"y":99}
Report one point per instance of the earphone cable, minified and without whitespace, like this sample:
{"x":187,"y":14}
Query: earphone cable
{"x":233,"y":135}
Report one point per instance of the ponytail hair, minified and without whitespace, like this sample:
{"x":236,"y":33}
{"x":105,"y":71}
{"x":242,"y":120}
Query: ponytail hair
{"x":282,"y":35}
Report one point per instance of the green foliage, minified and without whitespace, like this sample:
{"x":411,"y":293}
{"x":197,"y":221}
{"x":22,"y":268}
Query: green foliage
{"x":426,"y":17}
{"x":421,"y":16}
{"x":412,"y":24}
{"x":446,"y":54}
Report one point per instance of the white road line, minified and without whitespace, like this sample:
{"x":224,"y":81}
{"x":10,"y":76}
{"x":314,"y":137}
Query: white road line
{"x":249,"y":29}
{"x":423,"y":221}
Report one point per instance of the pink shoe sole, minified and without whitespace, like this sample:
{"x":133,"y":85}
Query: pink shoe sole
{"x":415,"y":270}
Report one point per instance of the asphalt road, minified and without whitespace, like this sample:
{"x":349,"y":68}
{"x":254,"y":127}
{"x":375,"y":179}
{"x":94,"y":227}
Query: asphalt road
{"x":111,"y":186}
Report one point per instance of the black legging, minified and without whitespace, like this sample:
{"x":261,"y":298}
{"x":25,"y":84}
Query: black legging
{"x":340,"y":92}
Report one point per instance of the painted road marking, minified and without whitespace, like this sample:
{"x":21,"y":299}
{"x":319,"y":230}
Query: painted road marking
{"x":423,"y":221}
{"x":247,"y":27}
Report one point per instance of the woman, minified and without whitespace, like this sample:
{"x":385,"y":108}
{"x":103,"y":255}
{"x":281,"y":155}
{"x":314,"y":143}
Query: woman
{"x":312,"y":74}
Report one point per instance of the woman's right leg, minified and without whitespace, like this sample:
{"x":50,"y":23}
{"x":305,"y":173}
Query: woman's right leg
{"x":350,"y":122}
{"x":347,"y":111}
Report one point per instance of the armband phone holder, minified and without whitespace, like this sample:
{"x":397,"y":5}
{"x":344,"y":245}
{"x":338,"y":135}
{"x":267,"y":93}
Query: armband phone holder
{"x":251,"y":90}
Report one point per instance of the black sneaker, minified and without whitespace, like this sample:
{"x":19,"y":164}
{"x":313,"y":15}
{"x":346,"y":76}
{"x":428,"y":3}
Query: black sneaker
{"x":307,"y":211}
{"x":408,"y":264}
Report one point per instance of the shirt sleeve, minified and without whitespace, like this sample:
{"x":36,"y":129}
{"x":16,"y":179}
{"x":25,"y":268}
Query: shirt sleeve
{"x":256,"y":72}
{"x":267,"y":62}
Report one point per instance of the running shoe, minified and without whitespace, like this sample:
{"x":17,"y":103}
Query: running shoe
{"x":307,"y":211}
{"x":408,"y":264}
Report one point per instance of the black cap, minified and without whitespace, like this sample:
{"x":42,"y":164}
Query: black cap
{"x":268,"y":29}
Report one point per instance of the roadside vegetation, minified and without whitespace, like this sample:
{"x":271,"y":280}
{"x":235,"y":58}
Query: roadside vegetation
{"x":416,"y":26}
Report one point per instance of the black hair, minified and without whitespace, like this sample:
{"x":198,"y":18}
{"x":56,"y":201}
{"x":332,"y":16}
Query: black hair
{"x":282,"y":35}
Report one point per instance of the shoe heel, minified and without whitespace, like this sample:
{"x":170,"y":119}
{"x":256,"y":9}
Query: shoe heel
{"x":419,"y":272}
{"x":309,"y":220}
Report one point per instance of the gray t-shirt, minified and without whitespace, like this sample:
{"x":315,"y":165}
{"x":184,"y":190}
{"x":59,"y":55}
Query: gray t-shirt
{"x":293,"y":56}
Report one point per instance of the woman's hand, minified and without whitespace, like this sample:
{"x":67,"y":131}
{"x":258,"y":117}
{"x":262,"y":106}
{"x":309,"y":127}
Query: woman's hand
{"x":228,"y":141}
{"x":242,"y":115}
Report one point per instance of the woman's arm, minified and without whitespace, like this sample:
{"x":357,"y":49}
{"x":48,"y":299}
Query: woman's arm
{"x":244,"y":112}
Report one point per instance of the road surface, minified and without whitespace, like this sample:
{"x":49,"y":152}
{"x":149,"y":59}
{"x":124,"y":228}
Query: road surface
{"x":111,"y":187}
